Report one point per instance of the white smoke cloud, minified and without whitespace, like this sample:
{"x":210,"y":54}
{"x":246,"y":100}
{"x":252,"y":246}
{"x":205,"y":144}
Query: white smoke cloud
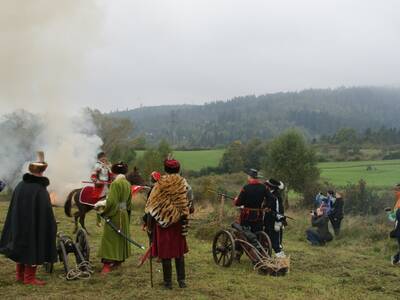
{"x":70,"y":151}
{"x":70,"y":145}
{"x":44,"y":44}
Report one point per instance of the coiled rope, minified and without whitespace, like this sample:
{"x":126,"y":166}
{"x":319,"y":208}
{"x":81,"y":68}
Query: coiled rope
{"x":84,"y":270}
{"x":273,"y":264}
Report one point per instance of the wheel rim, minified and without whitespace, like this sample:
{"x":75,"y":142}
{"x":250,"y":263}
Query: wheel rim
{"x":265,"y":242}
{"x":83,"y":243}
{"x":63,"y":256}
{"x":223,"y":248}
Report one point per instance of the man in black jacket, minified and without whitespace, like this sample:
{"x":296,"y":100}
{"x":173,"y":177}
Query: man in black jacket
{"x":252,"y":198}
{"x":274,"y":218}
{"x":336,"y":215}
{"x":29,"y":232}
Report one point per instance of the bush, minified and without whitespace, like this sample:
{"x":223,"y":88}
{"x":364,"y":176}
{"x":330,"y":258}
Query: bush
{"x":392,"y":155}
{"x":361,"y":200}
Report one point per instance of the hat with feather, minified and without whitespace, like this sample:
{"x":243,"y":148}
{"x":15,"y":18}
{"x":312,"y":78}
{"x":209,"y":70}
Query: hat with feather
{"x":273,"y":183}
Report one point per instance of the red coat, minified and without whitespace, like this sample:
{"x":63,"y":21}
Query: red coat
{"x":168,"y":242}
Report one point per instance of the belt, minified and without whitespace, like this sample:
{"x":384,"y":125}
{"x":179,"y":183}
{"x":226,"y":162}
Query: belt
{"x":122,"y":205}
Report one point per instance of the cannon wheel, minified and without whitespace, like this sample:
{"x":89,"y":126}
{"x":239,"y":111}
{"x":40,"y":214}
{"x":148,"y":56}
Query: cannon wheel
{"x":223,"y":248}
{"x":83,"y":243}
{"x":63,"y":255}
{"x":265,"y":241}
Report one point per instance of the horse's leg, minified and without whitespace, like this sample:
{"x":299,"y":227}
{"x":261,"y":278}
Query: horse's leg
{"x":82,"y":221}
{"x":76,"y":216}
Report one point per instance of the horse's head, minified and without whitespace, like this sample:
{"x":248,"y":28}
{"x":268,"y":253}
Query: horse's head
{"x":134,"y":177}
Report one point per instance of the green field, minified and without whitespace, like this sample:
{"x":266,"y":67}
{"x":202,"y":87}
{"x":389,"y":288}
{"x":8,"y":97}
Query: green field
{"x":353,"y":267}
{"x":383,"y":173}
{"x":196,"y":159}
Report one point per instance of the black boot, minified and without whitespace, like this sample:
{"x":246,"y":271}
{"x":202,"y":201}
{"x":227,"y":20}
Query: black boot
{"x":167,"y":273}
{"x":180,"y":271}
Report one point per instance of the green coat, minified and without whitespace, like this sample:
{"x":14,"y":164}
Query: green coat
{"x":113,"y":246}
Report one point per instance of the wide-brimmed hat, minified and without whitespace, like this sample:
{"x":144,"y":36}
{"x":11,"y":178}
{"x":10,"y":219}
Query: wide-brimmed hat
{"x":253,"y":173}
{"x":275,"y":183}
{"x":38,"y":166}
{"x":119,"y":168}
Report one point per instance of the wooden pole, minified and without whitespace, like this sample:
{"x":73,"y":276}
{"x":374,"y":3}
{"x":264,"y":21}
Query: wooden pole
{"x":221,"y":209}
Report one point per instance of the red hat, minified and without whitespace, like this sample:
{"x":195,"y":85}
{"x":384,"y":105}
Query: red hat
{"x":155,"y":175}
{"x":171,"y":165}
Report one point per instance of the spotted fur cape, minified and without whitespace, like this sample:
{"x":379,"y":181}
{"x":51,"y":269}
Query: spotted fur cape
{"x":168,"y":202}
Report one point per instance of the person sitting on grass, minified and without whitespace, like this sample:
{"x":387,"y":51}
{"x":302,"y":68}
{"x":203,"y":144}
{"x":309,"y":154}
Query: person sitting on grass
{"x":321,"y":235}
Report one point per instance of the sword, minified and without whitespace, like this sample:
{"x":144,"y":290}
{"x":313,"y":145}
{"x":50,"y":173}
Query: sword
{"x":221,"y":194}
{"x":97,"y":182}
{"x":118,"y":231}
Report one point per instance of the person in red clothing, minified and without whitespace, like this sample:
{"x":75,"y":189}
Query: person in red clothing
{"x":252,"y":198}
{"x":101,"y":176}
{"x":168,"y":205}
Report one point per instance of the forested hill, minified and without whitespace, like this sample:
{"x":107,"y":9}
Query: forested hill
{"x":317,"y":112}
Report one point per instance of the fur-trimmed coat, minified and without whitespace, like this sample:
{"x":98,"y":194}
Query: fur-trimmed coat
{"x":29,"y":232}
{"x":168,"y":202}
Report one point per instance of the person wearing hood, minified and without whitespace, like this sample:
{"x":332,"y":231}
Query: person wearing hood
{"x":29,"y":232}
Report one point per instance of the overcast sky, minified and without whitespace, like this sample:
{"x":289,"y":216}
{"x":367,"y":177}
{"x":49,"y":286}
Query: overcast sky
{"x":124,"y":53}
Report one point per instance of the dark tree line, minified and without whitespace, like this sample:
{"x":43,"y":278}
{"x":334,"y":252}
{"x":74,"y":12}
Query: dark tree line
{"x":315,"y":112}
{"x":380,"y":136}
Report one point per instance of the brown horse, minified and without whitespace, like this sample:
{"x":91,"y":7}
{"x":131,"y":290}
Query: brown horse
{"x":73,"y":199}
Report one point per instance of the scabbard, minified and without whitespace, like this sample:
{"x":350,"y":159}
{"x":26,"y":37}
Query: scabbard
{"x":118,"y":231}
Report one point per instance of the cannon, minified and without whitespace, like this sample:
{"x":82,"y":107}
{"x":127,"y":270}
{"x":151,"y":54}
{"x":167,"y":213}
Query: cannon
{"x":81,"y":250}
{"x":230,"y":244}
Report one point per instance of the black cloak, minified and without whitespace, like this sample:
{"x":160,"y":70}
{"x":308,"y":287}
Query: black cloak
{"x":29,"y":233}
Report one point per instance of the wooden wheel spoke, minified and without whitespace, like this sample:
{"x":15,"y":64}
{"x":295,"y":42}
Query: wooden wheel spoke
{"x":219,"y":259}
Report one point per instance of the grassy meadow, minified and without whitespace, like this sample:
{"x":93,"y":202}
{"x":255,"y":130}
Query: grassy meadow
{"x":356,"y":266}
{"x":196,"y":159}
{"x":379,"y":173}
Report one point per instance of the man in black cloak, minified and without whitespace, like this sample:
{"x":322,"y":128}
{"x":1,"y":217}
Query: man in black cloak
{"x":29,"y":232}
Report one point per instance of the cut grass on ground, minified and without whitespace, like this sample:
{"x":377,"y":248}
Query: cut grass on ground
{"x":353,"y":267}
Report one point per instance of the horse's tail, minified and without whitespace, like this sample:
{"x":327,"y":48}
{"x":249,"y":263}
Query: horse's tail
{"x":68,"y":203}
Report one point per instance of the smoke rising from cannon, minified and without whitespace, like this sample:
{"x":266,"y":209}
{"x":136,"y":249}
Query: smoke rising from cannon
{"x":44,"y":45}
